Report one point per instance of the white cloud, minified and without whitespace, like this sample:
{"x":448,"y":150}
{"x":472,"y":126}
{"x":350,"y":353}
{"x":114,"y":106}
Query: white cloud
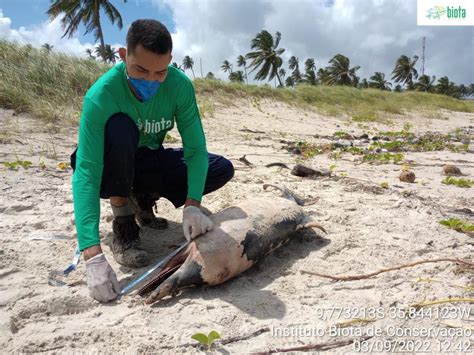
{"x":372,"y":33}
{"x":46,"y":32}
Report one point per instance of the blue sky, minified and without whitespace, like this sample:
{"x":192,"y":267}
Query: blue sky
{"x":372,"y":33}
{"x":32,"y":12}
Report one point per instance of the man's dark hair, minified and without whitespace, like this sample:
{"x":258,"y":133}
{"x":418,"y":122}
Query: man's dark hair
{"x":151,"y":34}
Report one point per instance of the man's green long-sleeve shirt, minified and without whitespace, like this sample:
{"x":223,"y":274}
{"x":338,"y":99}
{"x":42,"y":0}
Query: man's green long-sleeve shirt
{"x":175,"y":101}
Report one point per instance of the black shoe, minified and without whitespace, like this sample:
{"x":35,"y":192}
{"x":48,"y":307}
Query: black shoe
{"x":142,"y":205}
{"x":126,"y":245}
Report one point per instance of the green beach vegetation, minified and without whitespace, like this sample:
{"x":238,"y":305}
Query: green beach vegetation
{"x":51,"y":86}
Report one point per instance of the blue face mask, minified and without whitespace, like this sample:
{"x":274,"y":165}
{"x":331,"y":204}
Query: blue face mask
{"x":146,"y":89}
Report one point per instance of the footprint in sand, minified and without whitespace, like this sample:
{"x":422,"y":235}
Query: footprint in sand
{"x":18,"y":208}
{"x":29,"y":311}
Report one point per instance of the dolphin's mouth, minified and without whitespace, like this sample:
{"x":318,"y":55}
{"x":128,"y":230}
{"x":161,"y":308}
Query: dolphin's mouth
{"x":169,"y":269}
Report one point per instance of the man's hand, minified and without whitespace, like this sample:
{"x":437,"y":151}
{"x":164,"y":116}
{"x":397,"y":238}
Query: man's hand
{"x":101,"y":279}
{"x":195,"y":222}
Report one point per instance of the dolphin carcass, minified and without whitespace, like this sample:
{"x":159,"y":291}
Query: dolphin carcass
{"x":242,"y":235}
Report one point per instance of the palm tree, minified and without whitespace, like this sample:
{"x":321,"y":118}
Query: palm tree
{"x":445,"y":86}
{"x":47,"y":47}
{"x":398,"y":88}
{"x":101,"y":51}
{"x":323,"y":75}
{"x":364,"y":84}
{"x":188,"y":63}
{"x":310,"y":72}
{"x":379,"y":82}
{"x":290,"y":82}
{"x":309,"y":65}
{"x":311,"y":78}
{"x":267,"y":56}
{"x":471,"y":89}
{"x":89,"y":53}
{"x":110,"y":54}
{"x":226,"y":66}
{"x":339,"y":72}
{"x":463,"y":90}
{"x":405,"y":71}
{"x":86,"y":12}
{"x":210,"y":75}
{"x":241,"y":62}
{"x":282,"y":73}
{"x":293,"y":64}
{"x":237,"y":76}
{"x":425,"y":83}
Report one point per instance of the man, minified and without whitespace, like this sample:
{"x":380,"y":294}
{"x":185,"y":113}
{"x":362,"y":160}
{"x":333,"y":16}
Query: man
{"x":120,"y":156}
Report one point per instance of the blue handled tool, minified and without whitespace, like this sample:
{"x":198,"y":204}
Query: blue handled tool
{"x":75,"y":261}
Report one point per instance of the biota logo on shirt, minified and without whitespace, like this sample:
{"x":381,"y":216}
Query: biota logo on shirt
{"x":445,"y":12}
{"x":150,"y":127}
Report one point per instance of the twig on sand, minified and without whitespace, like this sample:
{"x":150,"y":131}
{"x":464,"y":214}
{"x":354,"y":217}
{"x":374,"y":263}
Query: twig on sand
{"x":245,"y":337}
{"x":467,"y":211}
{"x":456,"y":325}
{"x":231,"y":339}
{"x":321,"y":346}
{"x":250,"y":131}
{"x":366,"y":276}
{"x":448,"y":300}
{"x":281,"y":165}
{"x":245,"y":161}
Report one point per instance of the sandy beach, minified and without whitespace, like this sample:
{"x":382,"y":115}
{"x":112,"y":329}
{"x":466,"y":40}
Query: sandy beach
{"x":275,"y":305}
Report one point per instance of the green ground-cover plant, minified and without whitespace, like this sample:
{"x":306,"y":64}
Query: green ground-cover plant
{"x":64,"y":165}
{"x":384,"y":158}
{"x":459,"y":225}
{"x":426,"y":143}
{"x":458,"y":148}
{"x":342,"y":134}
{"x":365,"y":117}
{"x":460,"y":182}
{"x":170,"y":139}
{"x":14,"y":165}
{"x":206,"y":340}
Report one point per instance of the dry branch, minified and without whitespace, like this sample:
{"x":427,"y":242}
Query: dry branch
{"x":366,"y":276}
{"x":321,"y":346}
{"x":245,"y":337}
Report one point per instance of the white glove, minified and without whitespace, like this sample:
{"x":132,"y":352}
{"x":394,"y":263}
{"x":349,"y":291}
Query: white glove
{"x":101,"y":279}
{"x":195,"y":222}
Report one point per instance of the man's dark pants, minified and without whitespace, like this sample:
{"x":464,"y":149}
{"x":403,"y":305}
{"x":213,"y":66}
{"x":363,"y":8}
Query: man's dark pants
{"x":162,"y":171}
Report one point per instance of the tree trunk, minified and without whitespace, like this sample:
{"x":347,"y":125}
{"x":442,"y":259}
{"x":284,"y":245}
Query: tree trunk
{"x":246,"y":77}
{"x":194,"y":77}
{"x":100,"y":34}
{"x":279,"y":80}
